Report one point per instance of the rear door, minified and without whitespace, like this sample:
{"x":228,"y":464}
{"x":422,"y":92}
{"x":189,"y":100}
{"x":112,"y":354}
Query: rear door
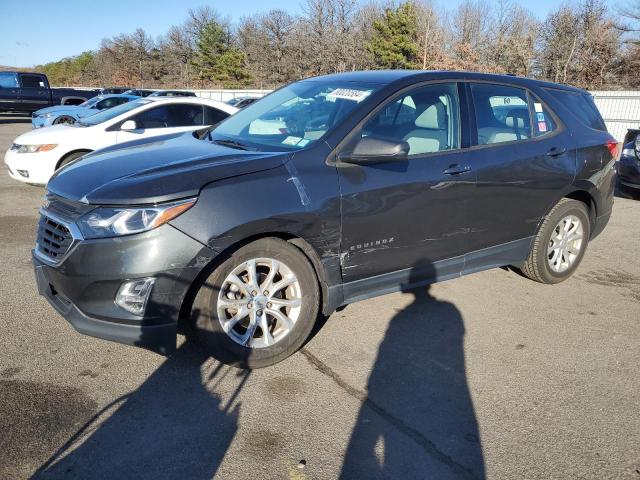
{"x":163,"y":119}
{"x":523,"y":157}
{"x":9,"y":91}
{"x":34,"y":91}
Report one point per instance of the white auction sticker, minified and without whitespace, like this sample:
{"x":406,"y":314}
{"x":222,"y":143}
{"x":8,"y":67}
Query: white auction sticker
{"x":349,"y":94}
{"x":538,"y":107}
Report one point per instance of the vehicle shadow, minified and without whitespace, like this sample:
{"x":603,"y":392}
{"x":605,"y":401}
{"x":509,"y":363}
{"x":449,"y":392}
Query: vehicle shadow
{"x":417,"y":393}
{"x":172,"y":426}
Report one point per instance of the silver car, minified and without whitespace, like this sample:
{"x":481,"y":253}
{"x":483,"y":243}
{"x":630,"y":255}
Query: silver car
{"x":60,"y":114}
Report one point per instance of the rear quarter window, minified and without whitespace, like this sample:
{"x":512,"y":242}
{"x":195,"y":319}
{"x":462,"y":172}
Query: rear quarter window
{"x":581,"y":106}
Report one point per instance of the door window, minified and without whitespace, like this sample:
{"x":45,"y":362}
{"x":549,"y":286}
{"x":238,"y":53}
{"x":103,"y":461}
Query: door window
{"x":32,"y":81}
{"x":213,"y":116}
{"x":110,"y":102}
{"x":502,"y":113}
{"x":8,"y":80}
{"x":173,"y":115}
{"x":427,"y":118}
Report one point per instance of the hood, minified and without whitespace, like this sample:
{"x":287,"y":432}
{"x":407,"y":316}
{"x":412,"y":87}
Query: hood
{"x":70,"y":109}
{"x":52,"y":134}
{"x":155,"y":170}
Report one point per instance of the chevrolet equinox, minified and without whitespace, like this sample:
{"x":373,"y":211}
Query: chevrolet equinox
{"x":327,"y":191}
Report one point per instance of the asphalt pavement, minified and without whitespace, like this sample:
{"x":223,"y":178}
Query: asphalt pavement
{"x":487,"y":376}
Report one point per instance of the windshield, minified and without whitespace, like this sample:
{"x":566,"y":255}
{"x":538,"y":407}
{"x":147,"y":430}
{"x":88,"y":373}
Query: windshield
{"x":110,"y":113}
{"x":90,"y":103}
{"x":294,"y":116}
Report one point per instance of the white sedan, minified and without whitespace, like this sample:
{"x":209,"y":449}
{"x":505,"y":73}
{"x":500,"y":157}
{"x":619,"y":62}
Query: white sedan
{"x":36,"y":155}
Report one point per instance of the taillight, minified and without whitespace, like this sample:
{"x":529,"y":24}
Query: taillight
{"x":612,"y":146}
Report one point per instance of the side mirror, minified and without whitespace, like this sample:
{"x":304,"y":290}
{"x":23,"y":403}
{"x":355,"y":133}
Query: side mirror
{"x":373,"y":149}
{"x":636,"y":145}
{"x":129,"y":126}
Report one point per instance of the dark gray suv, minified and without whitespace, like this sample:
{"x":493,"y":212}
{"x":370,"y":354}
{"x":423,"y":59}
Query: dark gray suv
{"x":327,"y":191}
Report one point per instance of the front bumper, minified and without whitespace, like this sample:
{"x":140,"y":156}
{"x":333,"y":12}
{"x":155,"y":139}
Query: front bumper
{"x":40,"y":121}
{"x":36,"y":168}
{"x":83,"y":287}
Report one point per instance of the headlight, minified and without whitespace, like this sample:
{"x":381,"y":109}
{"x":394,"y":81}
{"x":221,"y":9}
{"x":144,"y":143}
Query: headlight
{"x":48,"y":115}
{"x":33,"y":148}
{"x":113,"y":221}
{"x":628,"y":152}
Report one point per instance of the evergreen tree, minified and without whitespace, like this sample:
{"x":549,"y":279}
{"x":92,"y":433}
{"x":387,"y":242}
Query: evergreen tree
{"x":217,"y":60}
{"x":394,"y":43}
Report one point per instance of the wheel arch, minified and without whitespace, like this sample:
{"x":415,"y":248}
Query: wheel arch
{"x":588,"y":200}
{"x":305,"y":247}
{"x":66,"y":155}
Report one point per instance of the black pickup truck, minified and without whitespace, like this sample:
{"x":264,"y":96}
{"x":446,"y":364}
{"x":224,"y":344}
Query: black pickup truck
{"x":28,"y":92}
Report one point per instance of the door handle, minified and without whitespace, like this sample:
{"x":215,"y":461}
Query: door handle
{"x":457,"y":169}
{"x":555,"y":151}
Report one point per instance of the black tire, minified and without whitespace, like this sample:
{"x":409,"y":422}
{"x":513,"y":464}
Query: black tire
{"x":64,"y":119}
{"x":537,"y":265}
{"x":207,"y":330}
{"x":70,"y":158}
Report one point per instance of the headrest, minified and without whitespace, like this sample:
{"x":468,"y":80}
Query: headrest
{"x":433,"y":117}
{"x":516,"y":118}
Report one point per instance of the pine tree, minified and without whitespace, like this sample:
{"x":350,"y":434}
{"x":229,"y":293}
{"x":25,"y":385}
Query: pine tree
{"x":395,"y":38}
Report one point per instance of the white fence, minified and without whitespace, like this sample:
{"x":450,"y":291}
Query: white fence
{"x":620,"y":109}
{"x":224,"y":95}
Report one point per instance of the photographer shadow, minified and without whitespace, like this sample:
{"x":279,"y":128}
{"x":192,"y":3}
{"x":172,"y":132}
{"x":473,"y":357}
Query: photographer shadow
{"x":418,"y":420}
{"x":172,"y":426}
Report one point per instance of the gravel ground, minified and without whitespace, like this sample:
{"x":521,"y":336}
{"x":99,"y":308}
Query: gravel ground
{"x":487,"y":376}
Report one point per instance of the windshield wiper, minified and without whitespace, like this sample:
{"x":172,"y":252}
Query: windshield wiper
{"x":231,"y":144}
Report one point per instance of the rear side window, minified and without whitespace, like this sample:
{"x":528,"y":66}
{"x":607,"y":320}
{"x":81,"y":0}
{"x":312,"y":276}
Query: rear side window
{"x":543,"y":122}
{"x":32,"y":81}
{"x":581,"y":106}
{"x":213,"y":116}
{"x":173,"y":115}
{"x":8,"y":80}
{"x":502,"y":113}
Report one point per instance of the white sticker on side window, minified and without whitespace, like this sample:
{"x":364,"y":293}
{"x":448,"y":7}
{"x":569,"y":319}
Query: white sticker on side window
{"x":537,"y":106}
{"x":349,"y":94}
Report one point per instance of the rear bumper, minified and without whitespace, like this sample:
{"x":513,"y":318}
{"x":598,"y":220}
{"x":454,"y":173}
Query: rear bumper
{"x":629,"y":172}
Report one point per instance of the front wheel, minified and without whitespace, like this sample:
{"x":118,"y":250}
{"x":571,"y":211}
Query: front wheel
{"x":258,"y":306}
{"x":560,"y":244}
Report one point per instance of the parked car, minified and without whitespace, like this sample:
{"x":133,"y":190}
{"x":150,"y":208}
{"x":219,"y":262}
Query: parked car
{"x":60,"y":114}
{"x":28,"y":91}
{"x":629,"y":164}
{"x":139,"y":92}
{"x":377,"y":182}
{"x":172,"y":93}
{"x":36,"y":155}
{"x":241,"y":102}
{"x":113,"y":90}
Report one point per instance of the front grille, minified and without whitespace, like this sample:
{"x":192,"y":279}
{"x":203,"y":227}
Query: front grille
{"x":53,"y":240}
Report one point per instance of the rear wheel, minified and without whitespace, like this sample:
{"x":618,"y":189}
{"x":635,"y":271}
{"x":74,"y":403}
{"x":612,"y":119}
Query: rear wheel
{"x":560,"y":244}
{"x":258,"y":306}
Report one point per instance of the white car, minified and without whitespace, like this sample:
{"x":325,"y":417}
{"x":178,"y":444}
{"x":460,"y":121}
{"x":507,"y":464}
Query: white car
{"x":36,"y":155}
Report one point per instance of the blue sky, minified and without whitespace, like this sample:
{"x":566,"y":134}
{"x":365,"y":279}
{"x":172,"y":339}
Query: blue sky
{"x":39,"y":31}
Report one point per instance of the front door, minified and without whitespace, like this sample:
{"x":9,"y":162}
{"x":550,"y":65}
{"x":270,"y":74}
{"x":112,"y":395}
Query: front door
{"x":409,"y":217}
